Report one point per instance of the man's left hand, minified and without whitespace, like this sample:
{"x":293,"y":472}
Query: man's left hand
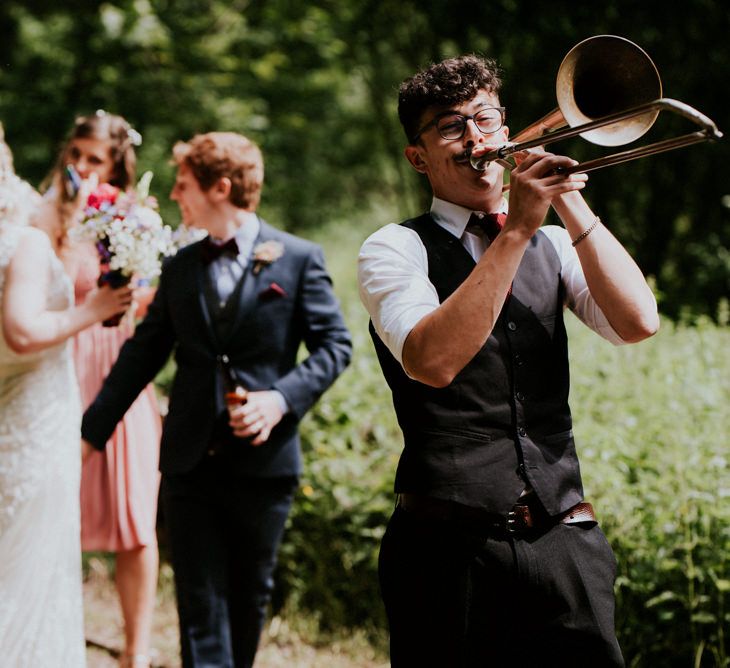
{"x":257,"y":417}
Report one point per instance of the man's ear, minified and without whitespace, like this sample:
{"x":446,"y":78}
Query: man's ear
{"x":221,"y":189}
{"x":413,"y":155}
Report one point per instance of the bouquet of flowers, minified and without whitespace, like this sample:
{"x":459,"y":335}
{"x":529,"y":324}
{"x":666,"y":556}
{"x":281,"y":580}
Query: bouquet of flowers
{"x":129,"y":235}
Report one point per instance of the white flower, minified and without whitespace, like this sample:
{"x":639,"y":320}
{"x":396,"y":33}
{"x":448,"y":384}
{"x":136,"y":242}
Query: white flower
{"x":266,"y":253}
{"x":147,"y":219}
{"x":183,"y":236}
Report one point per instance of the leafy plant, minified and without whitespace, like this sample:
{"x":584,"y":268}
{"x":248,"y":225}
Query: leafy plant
{"x":651,"y":423}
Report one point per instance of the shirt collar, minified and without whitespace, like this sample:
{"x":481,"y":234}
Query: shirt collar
{"x":454,"y":217}
{"x":245,"y":234}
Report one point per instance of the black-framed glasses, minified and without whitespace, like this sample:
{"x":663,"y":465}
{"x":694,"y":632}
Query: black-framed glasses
{"x":451,"y":125}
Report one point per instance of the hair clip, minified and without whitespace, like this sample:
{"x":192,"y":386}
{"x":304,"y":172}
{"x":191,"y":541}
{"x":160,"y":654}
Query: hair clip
{"x":134,"y":137}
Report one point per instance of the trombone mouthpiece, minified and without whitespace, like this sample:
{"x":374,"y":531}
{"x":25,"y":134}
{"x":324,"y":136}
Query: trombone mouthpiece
{"x":475,"y":162}
{"x":481,"y":162}
{"x":478,"y":162}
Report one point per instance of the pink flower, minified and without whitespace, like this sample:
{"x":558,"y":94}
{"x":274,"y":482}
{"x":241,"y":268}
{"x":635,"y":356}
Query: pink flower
{"x":104,"y":193}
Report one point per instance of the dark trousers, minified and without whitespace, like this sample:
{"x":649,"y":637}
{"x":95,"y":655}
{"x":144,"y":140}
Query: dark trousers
{"x":457,"y":597}
{"x":224,"y":533}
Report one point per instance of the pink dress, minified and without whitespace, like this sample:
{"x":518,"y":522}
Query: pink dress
{"x":119,"y":485}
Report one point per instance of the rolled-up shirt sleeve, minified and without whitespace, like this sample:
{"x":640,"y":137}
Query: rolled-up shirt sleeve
{"x":394,"y":284}
{"x":578,"y":297}
{"x":396,"y":291}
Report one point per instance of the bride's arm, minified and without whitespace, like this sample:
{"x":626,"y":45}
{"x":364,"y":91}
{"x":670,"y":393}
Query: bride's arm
{"x":27,"y":325}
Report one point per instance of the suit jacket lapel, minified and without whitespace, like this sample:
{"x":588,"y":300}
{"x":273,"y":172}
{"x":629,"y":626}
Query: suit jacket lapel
{"x":199,"y":278}
{"x":247,"y":296}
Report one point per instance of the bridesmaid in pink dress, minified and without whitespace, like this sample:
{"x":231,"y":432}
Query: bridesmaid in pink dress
{"x":118,"y":486}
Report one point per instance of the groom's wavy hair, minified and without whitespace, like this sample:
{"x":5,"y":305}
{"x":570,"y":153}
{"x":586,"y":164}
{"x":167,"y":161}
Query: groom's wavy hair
{"x":216,"y":155}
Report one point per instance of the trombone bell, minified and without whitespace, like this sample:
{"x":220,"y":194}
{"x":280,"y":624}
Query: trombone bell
{"x":604,"y":75}
{"x":609,"y":93}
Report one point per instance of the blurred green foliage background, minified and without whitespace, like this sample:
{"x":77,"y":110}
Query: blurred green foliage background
{"x":314,"y":83}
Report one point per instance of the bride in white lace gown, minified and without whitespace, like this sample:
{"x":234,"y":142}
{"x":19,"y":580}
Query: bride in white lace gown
{"x":41,"y":621}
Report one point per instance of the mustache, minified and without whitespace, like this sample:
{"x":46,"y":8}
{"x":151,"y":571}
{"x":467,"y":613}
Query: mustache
{"x":463,"y":157}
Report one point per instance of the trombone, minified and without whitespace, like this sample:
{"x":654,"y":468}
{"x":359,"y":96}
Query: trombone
{"x":609,"y":92}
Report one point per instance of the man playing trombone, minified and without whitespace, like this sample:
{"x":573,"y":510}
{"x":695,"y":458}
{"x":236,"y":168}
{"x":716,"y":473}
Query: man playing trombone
{"x":492,"y":556}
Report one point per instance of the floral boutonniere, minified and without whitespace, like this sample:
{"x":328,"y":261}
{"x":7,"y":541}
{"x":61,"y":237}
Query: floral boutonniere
{"x":265,"y":254}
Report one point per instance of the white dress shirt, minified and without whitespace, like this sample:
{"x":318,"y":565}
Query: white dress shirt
{"x":397,"y":293}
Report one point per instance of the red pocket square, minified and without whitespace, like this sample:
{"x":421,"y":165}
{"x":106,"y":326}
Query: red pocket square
{"x":274,"y":290}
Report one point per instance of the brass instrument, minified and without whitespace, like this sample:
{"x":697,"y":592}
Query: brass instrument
{"x":610,"y":93}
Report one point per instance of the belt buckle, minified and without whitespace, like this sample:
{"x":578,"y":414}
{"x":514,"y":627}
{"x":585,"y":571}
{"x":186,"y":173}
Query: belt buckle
{"x":519,"y":518}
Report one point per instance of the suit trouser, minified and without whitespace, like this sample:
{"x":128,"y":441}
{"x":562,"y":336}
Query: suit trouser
{"x":224,"y":532}
{"x":460,"y":598}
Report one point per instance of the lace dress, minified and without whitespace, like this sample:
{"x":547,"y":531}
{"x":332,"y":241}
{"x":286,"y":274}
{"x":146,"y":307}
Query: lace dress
{"x":41,"y":616}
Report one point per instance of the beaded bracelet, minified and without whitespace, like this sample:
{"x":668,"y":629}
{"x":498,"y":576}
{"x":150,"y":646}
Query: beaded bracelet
{"x":586,"y":232}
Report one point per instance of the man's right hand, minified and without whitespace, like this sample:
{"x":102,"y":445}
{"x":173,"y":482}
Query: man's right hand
{"x":257,"y":417}
{"x":533,"y":186}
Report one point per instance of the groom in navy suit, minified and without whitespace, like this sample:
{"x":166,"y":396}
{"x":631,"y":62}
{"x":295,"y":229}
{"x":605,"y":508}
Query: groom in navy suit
{"x":234,"y":308}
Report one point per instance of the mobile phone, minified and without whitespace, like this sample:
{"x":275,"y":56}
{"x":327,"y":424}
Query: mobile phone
{"x":72,"y":181}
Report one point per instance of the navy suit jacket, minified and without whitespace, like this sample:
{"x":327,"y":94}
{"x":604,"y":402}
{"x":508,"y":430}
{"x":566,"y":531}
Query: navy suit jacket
{"x":287,"y":302}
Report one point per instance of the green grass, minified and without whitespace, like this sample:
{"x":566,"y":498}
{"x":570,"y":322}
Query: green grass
{"x":651,"y":423}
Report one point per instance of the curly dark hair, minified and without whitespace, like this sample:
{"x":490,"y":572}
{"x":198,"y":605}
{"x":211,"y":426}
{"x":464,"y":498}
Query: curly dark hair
{"x":444,"y":84}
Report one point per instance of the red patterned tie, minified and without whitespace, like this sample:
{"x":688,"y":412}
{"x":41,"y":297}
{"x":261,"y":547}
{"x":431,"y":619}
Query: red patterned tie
{"x":490,"y":224}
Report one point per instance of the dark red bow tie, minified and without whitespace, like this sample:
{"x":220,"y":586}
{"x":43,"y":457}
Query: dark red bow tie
{"x":490,"y":224}
{"x":210,"y":250}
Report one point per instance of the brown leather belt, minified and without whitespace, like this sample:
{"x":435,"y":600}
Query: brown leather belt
{"x":521,"y":518}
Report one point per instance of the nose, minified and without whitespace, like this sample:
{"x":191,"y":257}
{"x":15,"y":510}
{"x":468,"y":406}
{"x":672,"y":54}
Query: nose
{"x":173,"y":193}
{"x":474,"y":137}
{"x":472,"y":134}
